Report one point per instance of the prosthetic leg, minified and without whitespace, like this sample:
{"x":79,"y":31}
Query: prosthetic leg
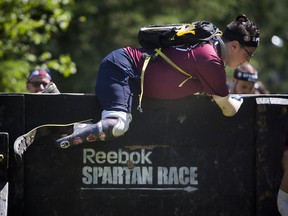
{"x":112,"y":124}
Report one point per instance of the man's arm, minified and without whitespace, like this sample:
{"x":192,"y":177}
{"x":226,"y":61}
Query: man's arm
{"x":228,"y":104}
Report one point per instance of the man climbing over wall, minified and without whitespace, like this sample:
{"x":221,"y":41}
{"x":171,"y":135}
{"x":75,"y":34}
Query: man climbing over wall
{"x":119,"y":79}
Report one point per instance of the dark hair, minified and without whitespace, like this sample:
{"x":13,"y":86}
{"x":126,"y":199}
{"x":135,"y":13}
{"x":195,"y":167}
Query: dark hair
{"x":243,"y":30}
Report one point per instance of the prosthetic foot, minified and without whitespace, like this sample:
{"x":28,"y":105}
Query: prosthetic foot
{"x":89,"y":132}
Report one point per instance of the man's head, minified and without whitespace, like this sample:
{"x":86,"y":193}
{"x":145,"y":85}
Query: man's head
{"x":244,"y":78}
{"x":38,"y":80}
{"x":242,"y":39}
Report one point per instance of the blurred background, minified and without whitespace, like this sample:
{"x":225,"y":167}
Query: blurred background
{"x":72,"y":37}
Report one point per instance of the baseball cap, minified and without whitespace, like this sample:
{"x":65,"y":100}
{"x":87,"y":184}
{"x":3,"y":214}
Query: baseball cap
{"x":40,"y":72}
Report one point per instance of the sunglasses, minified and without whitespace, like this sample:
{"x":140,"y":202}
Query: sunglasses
{"x":250,"y":54}
{"x":38,"y":84}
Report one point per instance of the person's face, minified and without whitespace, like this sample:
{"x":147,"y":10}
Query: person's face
{"x":37,"y":84}
{"x":243,"y":87}
{"x":238,"y":54}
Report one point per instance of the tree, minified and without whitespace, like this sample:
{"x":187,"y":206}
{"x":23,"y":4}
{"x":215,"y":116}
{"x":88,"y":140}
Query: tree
{"x":25,"y":30}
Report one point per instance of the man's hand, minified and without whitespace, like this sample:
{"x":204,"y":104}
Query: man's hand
{"x":229,"y":104}
{"x":51,"y":88}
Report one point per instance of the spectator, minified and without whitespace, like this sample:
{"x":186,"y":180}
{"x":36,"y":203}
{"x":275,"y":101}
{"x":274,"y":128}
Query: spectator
{"x":244,"y":78}
{"x":40,"y":81}
{"x":245,"y":81}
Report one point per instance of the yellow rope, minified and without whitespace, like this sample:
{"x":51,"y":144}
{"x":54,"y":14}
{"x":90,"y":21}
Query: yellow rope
{"x":146,"y":61}
{"x":159,"y":52}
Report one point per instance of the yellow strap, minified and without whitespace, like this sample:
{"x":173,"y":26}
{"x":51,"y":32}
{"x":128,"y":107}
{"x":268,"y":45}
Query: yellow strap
{"x":159,"y":52}
{"x":146,"y":61}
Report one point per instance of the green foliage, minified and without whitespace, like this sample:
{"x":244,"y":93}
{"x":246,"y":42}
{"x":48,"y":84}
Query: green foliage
{"x":64,"y":65}
{"x":13,"y":75}
{"x":25,"y":28}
